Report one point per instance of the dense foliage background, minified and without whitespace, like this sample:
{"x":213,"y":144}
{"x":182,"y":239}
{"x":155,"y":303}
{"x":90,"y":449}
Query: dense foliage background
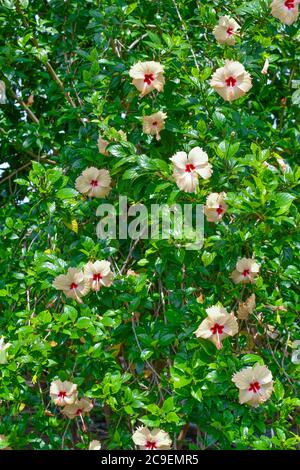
{"x":131,"y":347}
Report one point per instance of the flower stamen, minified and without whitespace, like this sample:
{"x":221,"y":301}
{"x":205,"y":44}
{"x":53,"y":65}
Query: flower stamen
{"x":189,"y":167}
{"x":148,"y":78}
{"x":254,"y":387}
{"x":230,"y":81}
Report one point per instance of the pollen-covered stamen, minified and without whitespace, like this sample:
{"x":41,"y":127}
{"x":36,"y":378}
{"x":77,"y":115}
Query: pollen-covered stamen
{"x":94,"y":183}
{"x":217,"y":329}
{"x":254,"y":387}
{"x":229,"y":31}
{"x":290,"y":4}
{"x":79,"y":413}
{"x":148,"y":78}
{"x":62,"y":394}
{"x":230,"y":81}
{"x":246,"y":272}
{"x":150,"y":445}
{"x":73,"y":285}
{"x":189,"y":167}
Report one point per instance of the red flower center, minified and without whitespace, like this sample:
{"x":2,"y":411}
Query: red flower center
{"x":148,"y":78}
{"x":97,"y":277}
{"x":217,"y":329}
{"x":79,"y":411}
{"x":62,"y":394}
{"x":254,"y":387}
{"x":246,"y":272}
{"x":189,"y":167}
{"x":94,"y":183}
{"x":290,"y":4}
{"x":219,"y":210}
{"x":230,"y":81}
{"x":154,"y":123}
{"x":229,"y":31}
{"x":150,"y":445}
{"x":73,"y":285}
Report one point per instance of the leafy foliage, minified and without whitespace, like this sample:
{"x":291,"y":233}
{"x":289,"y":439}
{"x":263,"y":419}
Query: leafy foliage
{"x":131,"y":347}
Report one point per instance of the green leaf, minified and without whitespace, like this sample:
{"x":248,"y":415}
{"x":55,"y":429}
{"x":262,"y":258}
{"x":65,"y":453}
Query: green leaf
{"x":278,"y":390}
{"x":83,"y":323}
{"x":196,"y":393}
{"x":66,"y":193}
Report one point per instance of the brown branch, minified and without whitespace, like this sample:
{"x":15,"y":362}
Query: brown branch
{"x":28,"y":111}
{"x":48,"y":65}
{"x":32,"y":155}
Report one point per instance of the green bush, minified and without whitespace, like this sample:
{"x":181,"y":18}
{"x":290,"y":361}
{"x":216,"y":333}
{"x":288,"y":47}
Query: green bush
{"x":131,"y":347}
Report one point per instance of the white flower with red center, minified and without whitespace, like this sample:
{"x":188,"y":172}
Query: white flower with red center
{"x":93,"y":182}
{"x":147,"y":76}
{"x":78,"y":409}
{"x":245,"y":271}
{"x":285,"y":10}
{"x":95,"y":445}
{"x":246,"y":308}
{"x":154,"y":124}
{"x":73,"y":284}
{"x":265,"y":68}
{"x":98,"y":274}
{"x":188,"y":168}
{"x":151,"y":440}
{"x":231,"y":81}
{"x":226,"y":30}
{"x":215,"y":207}
{"x":102,"y":144}
{"x":63,"y":393}
{"x":218,"y":325}
{"x":255,"y":384}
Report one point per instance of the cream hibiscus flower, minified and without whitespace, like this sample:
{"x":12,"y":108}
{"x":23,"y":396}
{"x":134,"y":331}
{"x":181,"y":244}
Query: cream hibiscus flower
{"x":79,"y":408}
{"x":95,"y":445}
{"x":218,"y":325}
{"x":285,"y":10}
{"x":296,"y":352}
{"x":3,"y":443}
{"x":265,"y":68}
{"x":102,"y":144}
{"x":3,"y":350}
{"x":151,"y":440}
{"x":93,"y":182}
{"x":2,"y":92}
{"x":188,"y":168}
{"x":231,"y":81}
{"x":215,"y":207}
{"x":255,"y":384}
{"x":154,"y":123}
{"x":147,"y":76}
{"x":73,"y":284}
{"x":63,"y":393}
{"x":246,"y":308}
{"x":245,"y":271}
{"x":226,"y":30}
{"x":98,"y":274}
{"x":3,"y":345}
{"x":282,"y":164}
